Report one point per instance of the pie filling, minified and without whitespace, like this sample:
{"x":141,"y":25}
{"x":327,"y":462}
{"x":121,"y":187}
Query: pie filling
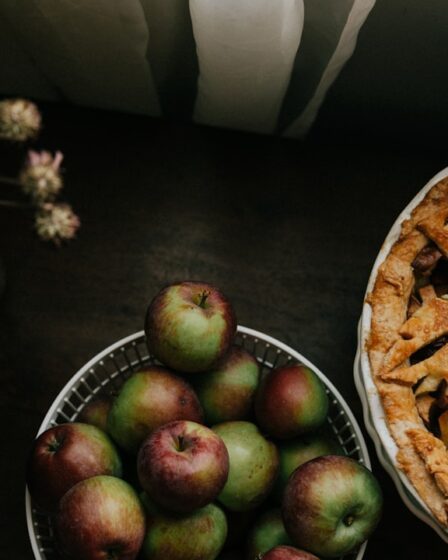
{"x":431,"y":392}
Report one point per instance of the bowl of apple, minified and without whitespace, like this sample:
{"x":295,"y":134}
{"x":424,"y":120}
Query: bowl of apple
{"x":199,"y":439}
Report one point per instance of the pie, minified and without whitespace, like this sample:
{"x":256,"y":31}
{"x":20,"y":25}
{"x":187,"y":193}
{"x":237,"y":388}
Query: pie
{"x":408,"y":347}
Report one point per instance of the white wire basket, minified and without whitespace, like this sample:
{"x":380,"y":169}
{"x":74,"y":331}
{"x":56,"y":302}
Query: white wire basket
{"x":106,"y":372}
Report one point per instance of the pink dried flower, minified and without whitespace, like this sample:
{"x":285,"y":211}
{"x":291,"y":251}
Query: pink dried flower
{"x":41,"y":176}
{"x":19,"y":119}
{"x":56,"y":222}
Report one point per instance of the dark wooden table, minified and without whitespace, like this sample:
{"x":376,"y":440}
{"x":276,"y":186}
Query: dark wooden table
{"x":288,"y":230}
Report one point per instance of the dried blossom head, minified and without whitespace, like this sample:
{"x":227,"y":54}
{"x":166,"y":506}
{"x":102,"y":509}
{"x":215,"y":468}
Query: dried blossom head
{"x":41,"y":175}
{"x":19,"y":119}
{"x":56,"y":222}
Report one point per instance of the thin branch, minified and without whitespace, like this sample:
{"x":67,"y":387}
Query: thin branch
{"x":9,"y":181}
{"x":13,"y":204}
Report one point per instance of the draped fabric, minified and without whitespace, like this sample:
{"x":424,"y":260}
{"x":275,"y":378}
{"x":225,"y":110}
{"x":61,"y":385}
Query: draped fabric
{"x":257,"y":65}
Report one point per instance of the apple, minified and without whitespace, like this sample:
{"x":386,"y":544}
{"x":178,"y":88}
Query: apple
{"x":331,"y":505}
{"x":267,"y":532}
{"x":63,"y":456}
{"x":183,"y":466}
{"x":96,"y":412}
{"x":288,"y":553}
{"x":226,"y":393}
{"x":253,"y":464}
{"x":294,"y":453}
{"x":190,"y":326}
{"x":100,"y":517}
{"x":291,"y":401}
{"x":198,"y":535}
{"x":148,"y":399}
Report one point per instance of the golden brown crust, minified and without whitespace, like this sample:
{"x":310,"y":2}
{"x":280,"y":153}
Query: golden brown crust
{"x":436,"y":365}
{"x":433,"y":453}
{"x":426,"y":325}
{"x":400,"y":326}
{"x":434,"y":227}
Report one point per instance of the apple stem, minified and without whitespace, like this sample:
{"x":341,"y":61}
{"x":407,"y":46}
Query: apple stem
{"x":54,"y":445}
{"x":349,"y":520}
{"x":203,"y":298}
{"x":180,"y":443}
{"x":111,"y":554}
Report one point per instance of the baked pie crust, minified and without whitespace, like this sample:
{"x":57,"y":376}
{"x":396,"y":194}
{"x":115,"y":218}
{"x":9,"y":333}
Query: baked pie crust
{"x":408,"y":346}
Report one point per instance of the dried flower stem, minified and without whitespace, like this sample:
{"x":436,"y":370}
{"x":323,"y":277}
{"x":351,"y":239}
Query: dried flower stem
{"x":13,"y":204}
{"x":9,"y":181}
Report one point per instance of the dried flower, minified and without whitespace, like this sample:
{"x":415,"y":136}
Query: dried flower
{"x":19,"y":119}
{"x":41,"y":176}
{"x":56,"y":222}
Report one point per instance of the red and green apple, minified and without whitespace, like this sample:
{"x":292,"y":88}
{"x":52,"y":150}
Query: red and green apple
{"x":226,"y":393}
{"x":147,"y":400}
{"x":288,"y":553}
{"x":331,"y":505}
{"x":291,"y":401}
{"x":63,"y":456}
{"x":100,"y":517}
{"x":198,"y":535}
{"x":190,"y":326}
{"x":294,"y":453}
{"x":183,"y":466}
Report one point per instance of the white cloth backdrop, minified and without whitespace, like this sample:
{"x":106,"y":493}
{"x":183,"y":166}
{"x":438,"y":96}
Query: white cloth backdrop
{"x":259,"y":65}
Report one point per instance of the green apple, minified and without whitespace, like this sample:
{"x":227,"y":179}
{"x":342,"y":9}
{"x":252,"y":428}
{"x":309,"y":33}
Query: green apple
{"x":294,"y":453}
{"x":226,"y":393}
{"x":253,"y":464}
{"x":331,"y":505}
{"x":198,"y":535}
{"x":267,"y":532}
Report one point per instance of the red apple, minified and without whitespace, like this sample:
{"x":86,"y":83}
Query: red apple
{"x":149,"y":399}
{"x":64,"y":455}
{"x":190,"y":326}
{"x":96,"y":412}
{"x":100,"y":518}
{"x":183,"y":466}
{"x":288,"y":553}
{"x":226,"y":393}
{"x":291,"y":401}
{"x":331,"y":505}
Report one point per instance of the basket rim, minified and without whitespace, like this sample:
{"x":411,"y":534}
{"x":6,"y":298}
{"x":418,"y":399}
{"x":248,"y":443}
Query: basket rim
{"x":365,"y":458}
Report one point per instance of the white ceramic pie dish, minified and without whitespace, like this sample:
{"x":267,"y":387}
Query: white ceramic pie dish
{"x":375,"y":419}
